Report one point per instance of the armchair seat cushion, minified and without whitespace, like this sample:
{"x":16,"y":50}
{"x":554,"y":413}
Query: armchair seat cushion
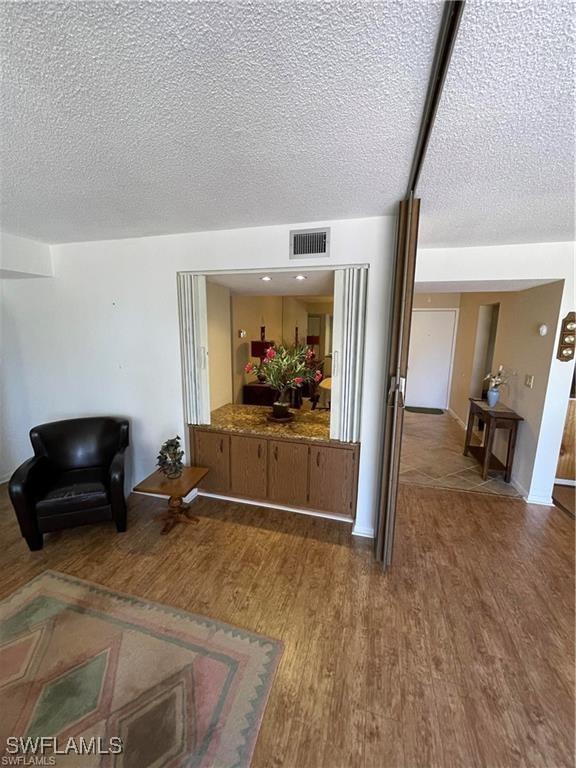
{"x":75,"y":490}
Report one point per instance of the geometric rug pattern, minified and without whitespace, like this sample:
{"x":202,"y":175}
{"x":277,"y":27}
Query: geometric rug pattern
{"x":78,"y":660}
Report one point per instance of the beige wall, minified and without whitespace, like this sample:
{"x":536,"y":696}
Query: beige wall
{"x":294,"y":315}
{"x":519,"y":348}
{"x":219,"y":345}
{"x":323,"y":308}
{"x":249,"y":313}
{"x":436,"y":300}
{"x":280,"y":314}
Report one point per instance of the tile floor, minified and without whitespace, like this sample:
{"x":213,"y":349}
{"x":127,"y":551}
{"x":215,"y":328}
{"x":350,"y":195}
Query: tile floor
{"x":432,"y":455}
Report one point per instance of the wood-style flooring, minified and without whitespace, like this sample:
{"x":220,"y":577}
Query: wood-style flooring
{"x":462,"y":655}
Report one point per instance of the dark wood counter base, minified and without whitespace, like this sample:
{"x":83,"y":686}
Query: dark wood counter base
{"x":306,"y":474}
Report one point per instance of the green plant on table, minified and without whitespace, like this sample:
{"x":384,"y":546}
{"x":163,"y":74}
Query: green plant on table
{"x":286,"y":367}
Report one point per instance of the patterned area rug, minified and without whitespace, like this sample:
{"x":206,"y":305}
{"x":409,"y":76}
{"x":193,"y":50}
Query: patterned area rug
{"x":77,"y":660}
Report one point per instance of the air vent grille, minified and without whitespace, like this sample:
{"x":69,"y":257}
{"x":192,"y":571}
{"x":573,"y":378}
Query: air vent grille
{"x":305,"y":244}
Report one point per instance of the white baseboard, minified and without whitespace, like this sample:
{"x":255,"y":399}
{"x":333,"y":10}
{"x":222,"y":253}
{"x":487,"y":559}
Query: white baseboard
{"x":520,"y":488}
{"x":543,"y":501}
{"x":455,"y":417}
{"x":560,"y":481}
{"x":269,"y":505}
{"x":191,"y":496}
{"x":359,"y":530}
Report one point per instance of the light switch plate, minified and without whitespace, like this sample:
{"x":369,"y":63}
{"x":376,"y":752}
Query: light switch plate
{"x":529,"y":381}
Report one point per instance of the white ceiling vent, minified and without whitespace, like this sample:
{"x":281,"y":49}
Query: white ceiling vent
{"x":306,"y":243}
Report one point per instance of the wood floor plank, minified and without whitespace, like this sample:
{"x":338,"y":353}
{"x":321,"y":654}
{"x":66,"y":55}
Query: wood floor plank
{"x":462,"y":655}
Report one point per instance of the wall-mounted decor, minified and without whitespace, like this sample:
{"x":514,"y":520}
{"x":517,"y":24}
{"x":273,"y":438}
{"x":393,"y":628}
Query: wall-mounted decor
{"x":567,"y":343}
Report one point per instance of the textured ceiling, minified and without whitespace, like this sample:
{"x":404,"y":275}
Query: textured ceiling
{"x":500,"y":164}
{"x":136,"y":118}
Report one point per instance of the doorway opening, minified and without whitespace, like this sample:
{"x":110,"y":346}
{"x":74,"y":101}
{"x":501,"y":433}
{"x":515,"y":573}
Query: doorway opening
{"x":459,"y":338}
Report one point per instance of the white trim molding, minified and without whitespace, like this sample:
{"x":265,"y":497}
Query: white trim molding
{"x":542,"y":501}
{"x":193,"y":322}
{"x":270,"y":505}
{"x":348,"y":332}
{"x":366,"y":533}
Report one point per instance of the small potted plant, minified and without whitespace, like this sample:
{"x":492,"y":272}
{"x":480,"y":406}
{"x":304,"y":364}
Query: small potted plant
{"x":496,"y":380}
{"x":285,"y":368}
{"x":170,"y":458}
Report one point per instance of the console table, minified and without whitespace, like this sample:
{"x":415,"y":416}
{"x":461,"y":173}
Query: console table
{"x":496,"y":417}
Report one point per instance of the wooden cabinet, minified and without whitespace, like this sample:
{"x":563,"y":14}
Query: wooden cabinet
{"x":288,"y":473}
{"x":306,"y":474}
{"x":332,"y":479}
{"x":248,"y":466}
{"x":212,"y":450}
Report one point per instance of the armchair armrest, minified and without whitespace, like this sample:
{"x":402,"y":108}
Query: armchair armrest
{"x":116,"y":485}
{"x":26,"y":486}
{"x":116,"y":471}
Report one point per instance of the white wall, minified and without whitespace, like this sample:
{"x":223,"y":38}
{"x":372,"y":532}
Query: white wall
{"x":20,"y":257}
{"x":103,"y":336}
{"x":219,"y":344}
{"x":531,"y":261}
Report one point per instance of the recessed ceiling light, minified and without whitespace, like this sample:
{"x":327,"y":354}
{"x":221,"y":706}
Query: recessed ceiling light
{"x":300,"y":277}
{"x":266,"y":278}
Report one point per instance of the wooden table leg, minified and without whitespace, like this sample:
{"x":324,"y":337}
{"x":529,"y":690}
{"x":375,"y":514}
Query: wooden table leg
{"x":177,"y":512}
{"x":488,"y":441}
{"x":510,"y":451}
{"x":469,"y":428}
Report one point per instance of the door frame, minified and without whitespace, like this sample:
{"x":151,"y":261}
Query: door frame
{"x":456,"y":311}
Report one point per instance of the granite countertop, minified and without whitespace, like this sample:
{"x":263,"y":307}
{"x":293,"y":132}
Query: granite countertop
{"x":251,"y":420}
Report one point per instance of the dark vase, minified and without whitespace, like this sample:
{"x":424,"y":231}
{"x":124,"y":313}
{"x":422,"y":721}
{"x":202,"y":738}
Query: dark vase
{"x":281,"y":411}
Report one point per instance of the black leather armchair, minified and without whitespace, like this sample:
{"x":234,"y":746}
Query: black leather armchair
{"x":76,"y":477}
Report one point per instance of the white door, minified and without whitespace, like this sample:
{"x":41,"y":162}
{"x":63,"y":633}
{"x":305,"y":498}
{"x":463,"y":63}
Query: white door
{"x":430,"y":357}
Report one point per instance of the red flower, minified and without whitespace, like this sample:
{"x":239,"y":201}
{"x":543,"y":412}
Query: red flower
{"x":298,"y":380}
{"x":318,"y":377}
{"x":270,"y":353}
{"x":249,"y":367}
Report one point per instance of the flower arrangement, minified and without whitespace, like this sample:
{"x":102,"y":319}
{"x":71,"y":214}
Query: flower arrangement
{"x":284,"y":368}
{"x":170,"y":458}
{"x":497,"y":379}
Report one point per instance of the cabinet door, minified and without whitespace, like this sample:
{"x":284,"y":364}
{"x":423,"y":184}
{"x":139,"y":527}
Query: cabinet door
{"x":248,"y":462}
{"x":212,"y":450}
{"x":332,"y":479}
{"x":288,"y":473}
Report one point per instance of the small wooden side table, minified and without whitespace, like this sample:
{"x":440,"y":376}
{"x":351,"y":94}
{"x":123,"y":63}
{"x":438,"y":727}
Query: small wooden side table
{"x":176,"y":489}
{"x":496,"y":417}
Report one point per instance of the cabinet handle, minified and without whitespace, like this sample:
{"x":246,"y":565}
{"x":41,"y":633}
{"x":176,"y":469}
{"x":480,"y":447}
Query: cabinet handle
{"x":317,"y":458}
{"x":259,"y":451}
{"x":221,"y":446}
{"x":275,"y":453}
